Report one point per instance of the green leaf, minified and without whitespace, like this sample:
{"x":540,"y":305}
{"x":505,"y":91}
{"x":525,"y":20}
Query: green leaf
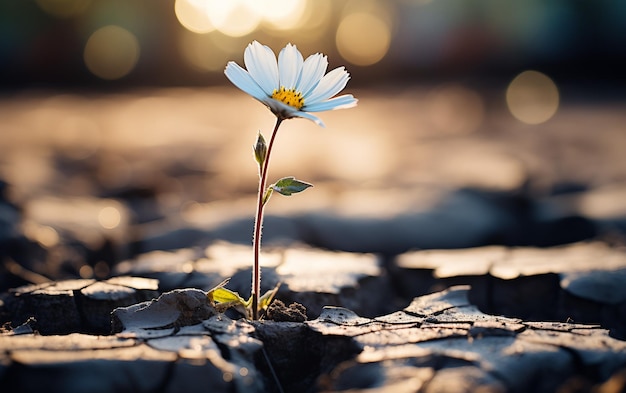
{"x":211,"y":291}
{"x":260,"y":149}
{"x":290,"y":185}
{"x":223,"y":295}
{"x":268,"y":194}
{"x":267,"y":298}
{"x":223,"y":299}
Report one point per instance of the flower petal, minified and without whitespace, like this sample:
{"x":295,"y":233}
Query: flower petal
{"x":265,"y":73}
{"x":313,"y":70}
{"x":285,"y":111}
{"x":311,"y":117}
{"x":289,"y":66}
{"x":331,"y":84}
{"x":341,"y":102}
{"x":243,"y":80}
{"x":261,"y":64}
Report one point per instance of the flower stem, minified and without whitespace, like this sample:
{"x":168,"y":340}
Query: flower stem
{"x":258,"y":224}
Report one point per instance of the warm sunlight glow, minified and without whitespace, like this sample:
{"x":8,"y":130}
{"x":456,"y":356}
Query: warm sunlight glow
{"x":191,"y":16}
{"x":111,"y":52}
{"x":281,"y":14}
{"x":532,"y":97}
{"x":237,"y":18}
{"x":363,"y":38}
{"x":315,"y":22}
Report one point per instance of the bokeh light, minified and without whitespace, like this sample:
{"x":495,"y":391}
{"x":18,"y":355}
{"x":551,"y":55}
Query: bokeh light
{"x":281,"y":14}
{"x":315,"y":22}
{"x":237,"y":18}
{"x":111,"y":52}
{"x":363,"y":38}
{"x":191,"y":16}
{"x":43,"y":234}
{"x":532,"y":97}
{"x":109,"y":217}
{"x":392,"y":39}
{"x":63,"y":8}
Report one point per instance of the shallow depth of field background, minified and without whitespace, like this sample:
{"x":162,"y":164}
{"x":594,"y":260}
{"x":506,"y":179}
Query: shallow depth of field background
{"x":80,"y":43}
{"x":127,"y":101}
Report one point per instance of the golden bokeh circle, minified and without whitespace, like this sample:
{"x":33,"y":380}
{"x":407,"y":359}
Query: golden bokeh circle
{"x":111,"y":52}
{"x":363,"y":38}
{"x":532,"y":97}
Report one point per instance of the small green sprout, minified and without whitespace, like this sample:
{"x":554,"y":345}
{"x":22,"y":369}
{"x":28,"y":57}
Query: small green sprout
{"x":223,"y":299}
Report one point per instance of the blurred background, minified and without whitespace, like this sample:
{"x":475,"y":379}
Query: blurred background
{"x":118,"y":125}
{"x":116,"y":43}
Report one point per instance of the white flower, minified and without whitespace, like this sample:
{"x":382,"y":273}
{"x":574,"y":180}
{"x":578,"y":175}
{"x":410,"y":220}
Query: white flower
{"x":293,"y":86}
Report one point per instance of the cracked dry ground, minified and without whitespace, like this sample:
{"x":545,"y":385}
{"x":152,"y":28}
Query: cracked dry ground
{"x":438,"y":342}
{"x":491,"y":261}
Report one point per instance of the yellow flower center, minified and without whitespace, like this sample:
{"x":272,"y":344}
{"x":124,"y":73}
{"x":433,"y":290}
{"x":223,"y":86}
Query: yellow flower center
{"x":290,"y":97}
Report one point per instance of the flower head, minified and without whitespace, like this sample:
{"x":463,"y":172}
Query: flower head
{"x":291,"y":87}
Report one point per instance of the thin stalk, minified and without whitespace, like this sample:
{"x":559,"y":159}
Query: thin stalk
{"x":258,"y":224}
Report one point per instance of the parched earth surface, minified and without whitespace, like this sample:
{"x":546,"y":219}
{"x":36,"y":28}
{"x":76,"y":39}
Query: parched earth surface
{"x":430,"y":256}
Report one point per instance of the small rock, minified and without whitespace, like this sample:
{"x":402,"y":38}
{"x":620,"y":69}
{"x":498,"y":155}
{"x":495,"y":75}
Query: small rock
{"x":171,"y":310}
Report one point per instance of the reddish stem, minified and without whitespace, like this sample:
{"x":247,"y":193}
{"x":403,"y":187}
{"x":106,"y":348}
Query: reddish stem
{"x":258,"y":224}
